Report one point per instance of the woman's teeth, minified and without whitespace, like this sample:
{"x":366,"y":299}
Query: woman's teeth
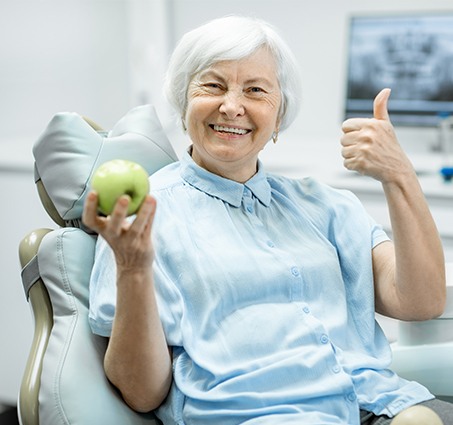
{"x":229,"y":129}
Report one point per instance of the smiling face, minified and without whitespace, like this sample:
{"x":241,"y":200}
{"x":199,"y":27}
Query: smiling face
{"x":232,"y":111}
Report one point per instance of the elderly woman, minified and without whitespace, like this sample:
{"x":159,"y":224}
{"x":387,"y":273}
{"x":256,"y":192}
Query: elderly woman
{"x":236,"y":296}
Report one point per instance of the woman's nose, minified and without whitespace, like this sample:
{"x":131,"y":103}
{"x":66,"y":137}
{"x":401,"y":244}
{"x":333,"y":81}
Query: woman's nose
{"x":232,"y":105}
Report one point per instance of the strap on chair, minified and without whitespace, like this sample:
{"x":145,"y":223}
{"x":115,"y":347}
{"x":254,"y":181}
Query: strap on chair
{"x":30,"y":275}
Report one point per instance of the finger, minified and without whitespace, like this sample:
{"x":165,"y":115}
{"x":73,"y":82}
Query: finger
{"x":119,"y":213}
{"x":145,"y":215}
{"x":348,"y":152}
{"x":90,"y":208}
{"x":350,"y":164}
{"x":353,"y":124}
{"x":380,"y":110}
{"x":348,"y":139}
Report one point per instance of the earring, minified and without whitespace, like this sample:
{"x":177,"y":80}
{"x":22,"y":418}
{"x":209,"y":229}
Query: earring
{"x":275,"y":136}
{"x":183,"y":125}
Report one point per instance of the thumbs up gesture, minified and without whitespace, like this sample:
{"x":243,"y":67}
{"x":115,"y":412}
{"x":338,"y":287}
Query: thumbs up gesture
{"x":370,"y":145}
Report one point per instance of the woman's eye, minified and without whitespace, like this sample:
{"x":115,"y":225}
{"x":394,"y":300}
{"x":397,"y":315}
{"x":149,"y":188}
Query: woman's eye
{"x":256,"y":90}
{"x":213,"y":86}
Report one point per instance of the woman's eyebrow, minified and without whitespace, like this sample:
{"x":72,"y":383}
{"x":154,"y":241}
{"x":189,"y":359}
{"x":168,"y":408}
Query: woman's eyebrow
{"x":259,"y":81}
{"x":210,"y":73}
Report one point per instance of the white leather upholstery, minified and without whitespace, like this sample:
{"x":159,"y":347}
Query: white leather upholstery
{"x":74,"y":389}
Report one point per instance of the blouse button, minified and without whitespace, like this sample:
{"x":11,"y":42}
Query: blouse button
{"x":250,"y":209}
{"x":324,"y":339}
{"x":306,"y":310}
{"x":352,"y":397}
{"x":295,"y":271}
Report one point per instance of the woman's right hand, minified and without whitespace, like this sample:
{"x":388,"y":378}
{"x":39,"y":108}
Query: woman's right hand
{"x":130,"y":240}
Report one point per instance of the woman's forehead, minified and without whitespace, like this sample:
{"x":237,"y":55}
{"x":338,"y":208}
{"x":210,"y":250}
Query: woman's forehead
{"x":258,"y":67}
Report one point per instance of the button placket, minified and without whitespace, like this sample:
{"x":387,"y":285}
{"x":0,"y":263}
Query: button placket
{"x":324,"y":343}
{"x":248,"y":206}
{"x":296,"y":283}
{"x":247,"y":200}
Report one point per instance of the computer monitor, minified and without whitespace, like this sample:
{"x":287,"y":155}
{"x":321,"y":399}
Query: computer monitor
{"x":413,"y":55}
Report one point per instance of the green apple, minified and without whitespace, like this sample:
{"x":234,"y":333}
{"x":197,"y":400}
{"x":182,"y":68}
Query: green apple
{"x":120,"y":177}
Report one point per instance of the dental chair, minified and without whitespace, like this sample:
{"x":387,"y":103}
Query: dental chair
{"x":64,"y":381}
{"x":423,"y":351}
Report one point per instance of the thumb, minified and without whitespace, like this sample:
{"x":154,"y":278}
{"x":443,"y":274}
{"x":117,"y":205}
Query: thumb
{"x":380,"y":111}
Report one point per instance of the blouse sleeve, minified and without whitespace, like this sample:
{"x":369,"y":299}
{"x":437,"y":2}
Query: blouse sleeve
{"x":102,"y":294}
{"x":102,"y":290}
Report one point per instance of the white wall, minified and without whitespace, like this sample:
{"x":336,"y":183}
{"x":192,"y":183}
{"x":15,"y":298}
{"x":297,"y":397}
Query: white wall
{"x":61,"y":55}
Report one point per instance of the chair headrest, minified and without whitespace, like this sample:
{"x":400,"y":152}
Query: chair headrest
{"x":71,"y":149}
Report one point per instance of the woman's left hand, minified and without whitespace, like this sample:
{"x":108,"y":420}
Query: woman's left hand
{"x":370,"y":146}
{"x":409,"y":275}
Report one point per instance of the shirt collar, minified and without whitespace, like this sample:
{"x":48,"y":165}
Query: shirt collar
{"x":222,"y":188}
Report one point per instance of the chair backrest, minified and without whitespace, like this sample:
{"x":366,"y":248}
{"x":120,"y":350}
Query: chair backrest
{"x":64,"y":381}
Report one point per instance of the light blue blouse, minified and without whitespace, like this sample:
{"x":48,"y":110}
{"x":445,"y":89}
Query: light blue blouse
{"x":265,"y":293}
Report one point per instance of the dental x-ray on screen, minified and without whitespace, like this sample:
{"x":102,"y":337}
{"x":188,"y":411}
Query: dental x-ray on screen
{"x":411,"y":54}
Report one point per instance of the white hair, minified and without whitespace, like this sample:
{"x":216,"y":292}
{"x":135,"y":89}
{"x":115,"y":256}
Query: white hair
{"x":232,"y":38}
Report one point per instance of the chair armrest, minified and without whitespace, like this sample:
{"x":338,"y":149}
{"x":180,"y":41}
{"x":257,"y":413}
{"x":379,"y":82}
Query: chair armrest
{"x":38,"y":298}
